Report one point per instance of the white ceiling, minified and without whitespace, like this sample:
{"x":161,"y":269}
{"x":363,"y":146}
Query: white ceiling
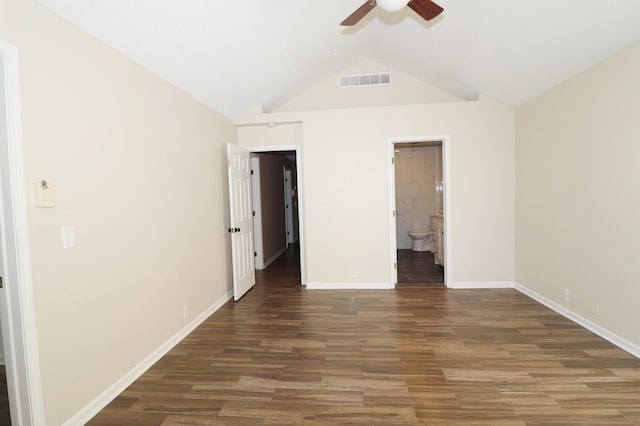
{"x":236,"y":56}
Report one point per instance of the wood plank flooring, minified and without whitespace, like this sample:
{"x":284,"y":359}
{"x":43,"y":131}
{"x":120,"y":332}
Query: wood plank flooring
{"x":415,"y":355}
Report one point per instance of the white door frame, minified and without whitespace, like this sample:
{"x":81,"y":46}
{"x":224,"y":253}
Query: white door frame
{"x":257,"y":208}
{"x":16,"y":301}
{"x":393,"y":243}
{"x":288,"y":206}
{"x":301,"y":236}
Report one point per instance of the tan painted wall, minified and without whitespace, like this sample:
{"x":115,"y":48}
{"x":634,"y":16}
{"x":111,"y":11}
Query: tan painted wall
{"x":403,"y":90}
{"x":578,"y":194}
{"x":346,"y":193}
{"x":139,"y":169}
{"x":263,"y":135}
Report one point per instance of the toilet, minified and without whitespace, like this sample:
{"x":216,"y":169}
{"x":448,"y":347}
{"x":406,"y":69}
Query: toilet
{"x":419,"y":237}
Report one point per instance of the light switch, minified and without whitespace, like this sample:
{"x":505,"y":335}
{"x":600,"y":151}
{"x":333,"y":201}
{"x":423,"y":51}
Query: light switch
{"x":45,"y":194}
{"x":68,"y":236}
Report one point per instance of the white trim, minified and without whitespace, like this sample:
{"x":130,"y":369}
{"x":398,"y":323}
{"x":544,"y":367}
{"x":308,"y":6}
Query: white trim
{"x":391,"y":179}
{"x":301,"y":204}
{"x":393,"y":222}
{"x":274,"y":257}
{"x":482,"y":285}
{"x":18,"y":313}
{"x":448,"y":222}
{"x":95,"y":406}
{"x":613,"y":338}
{"x":256,"y":199}
{"x":288,"y":205}
{"x":350,"y":286}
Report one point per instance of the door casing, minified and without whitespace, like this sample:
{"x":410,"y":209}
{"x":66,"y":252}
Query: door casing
{"x":299,"y":179}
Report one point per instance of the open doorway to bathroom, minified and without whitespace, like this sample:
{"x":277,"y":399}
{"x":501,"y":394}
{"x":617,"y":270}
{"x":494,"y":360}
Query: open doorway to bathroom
{"x":419,"y":218}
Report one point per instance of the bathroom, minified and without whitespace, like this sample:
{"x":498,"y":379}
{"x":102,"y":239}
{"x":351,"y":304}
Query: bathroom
{"x":419,"y":190}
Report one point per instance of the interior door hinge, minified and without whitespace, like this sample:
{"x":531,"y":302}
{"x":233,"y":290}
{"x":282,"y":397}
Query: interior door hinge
{"x":255,"y":254}
{"x":395,"y":265}
{"x":394,"y":213}
{"x":251,"y":171}
{"x":1,"y":283}
{"x":254,"y":212}
{"x":393,"y":160}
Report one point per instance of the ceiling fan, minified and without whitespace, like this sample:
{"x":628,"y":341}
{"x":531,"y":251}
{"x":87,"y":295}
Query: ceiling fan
{"x":425,"y":8}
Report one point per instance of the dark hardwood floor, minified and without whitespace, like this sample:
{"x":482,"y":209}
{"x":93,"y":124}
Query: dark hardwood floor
{"x":418,"y":268}
{"x":5,"y":414}
{"x":414,"y":355}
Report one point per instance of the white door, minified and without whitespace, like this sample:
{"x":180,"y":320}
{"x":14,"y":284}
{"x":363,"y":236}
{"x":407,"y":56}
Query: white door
{"x":241,"y":223}
{"x":16,"y":298}
{"x":288,"y":205}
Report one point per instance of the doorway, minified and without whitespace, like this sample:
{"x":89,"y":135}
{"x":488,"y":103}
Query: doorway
{"x":276,"y":195}
{"x":419,"y":210}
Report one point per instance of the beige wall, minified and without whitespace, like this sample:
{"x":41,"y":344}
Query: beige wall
{"x":139,"y":169}
{"x":346,"y":187}
{"x":578,"y":194}
{"x":403,"y":90}
{"x":263,"y":135}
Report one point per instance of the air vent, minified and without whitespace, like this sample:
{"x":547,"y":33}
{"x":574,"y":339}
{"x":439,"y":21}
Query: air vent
{"x":356,"y":80}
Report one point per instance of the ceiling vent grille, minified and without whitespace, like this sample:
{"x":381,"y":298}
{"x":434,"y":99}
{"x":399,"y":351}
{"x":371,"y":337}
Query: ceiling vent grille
{"x":356,"y":80}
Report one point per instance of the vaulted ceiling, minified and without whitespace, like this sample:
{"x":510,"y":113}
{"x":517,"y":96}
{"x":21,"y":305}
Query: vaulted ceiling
{"x":236,"y":56}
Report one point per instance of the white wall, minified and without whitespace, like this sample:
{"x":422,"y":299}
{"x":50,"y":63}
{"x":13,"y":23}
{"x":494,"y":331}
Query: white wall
{"x":345,"y":181}
{"x":140,"y":171}
{"x":578,"y":194}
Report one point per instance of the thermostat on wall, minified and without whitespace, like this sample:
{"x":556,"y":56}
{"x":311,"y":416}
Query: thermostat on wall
{"x":45,"y":194}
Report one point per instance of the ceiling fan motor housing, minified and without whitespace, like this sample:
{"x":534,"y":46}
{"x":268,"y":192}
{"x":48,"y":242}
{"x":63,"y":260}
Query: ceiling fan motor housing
{"x":392,"y":5}
{"x":425,"y":8}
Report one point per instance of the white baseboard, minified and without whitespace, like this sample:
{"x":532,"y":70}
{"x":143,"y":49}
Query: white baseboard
{"x":349,"y":286}
{"x":386,"y":286}
{"x":613,"y":338}
{"x":95,"y":406}
{"x":482,"y":284}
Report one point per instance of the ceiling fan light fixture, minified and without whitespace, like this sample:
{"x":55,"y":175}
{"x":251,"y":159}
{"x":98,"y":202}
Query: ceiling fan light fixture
{"x":392,"y":5}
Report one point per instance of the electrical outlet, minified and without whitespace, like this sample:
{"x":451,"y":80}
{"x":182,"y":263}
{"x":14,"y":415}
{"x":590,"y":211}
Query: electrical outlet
{"x":595,"y":309}
{"x":565,"y":294}
{"x":185,"y":311}
{"x":353,"y":273}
